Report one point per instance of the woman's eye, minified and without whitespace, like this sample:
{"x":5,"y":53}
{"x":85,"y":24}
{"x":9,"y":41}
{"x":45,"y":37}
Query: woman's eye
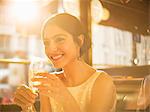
{"x":59,"y":39}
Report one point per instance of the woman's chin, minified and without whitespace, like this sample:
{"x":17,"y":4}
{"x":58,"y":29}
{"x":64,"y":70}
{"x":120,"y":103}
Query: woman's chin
{"x":58,"y":65}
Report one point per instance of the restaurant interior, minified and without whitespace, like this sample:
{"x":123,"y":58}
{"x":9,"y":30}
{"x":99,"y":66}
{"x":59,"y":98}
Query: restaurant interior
{"x":119,"y":31}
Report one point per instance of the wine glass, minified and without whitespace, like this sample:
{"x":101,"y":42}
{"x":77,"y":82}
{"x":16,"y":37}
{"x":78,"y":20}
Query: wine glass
{"x":39,"y":65}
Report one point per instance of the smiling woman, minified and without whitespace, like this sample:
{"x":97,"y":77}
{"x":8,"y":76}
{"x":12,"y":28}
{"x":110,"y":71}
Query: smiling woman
{"x":60,"y":47}
{"x":81,"y":87}
{"x":73,"y":27}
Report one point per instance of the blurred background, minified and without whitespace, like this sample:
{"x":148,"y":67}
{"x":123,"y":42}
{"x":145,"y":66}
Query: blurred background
{"x":119,"y":32}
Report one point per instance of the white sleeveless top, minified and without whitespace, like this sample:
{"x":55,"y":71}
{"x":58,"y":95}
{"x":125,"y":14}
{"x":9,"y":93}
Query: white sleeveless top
{"x":81,"y":93}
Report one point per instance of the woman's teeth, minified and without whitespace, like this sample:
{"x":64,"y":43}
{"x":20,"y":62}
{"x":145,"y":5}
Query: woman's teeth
{"x":56,"y":57}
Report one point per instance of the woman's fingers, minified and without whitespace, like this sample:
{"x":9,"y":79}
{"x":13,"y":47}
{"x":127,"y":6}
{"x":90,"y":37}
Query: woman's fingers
{"x":26,"y":92}
{"x":20,"y":100}
{"x":24,"y":96}
{"x":47,"y":93}
{"x":48,"y":75}
{"x":22,"y":104}
{"x":45,"y":79}
{"x":49,"y":85}
{"x":42,"y":87}
{"x":39,"y":79}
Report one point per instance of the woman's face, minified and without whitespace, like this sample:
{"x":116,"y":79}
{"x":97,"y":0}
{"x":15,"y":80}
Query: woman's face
{"x":60,"y":46}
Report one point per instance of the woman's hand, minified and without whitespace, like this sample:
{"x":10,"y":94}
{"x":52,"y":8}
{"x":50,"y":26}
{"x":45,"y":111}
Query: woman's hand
{"x":50,"y":85}
{"x":24,"y":97}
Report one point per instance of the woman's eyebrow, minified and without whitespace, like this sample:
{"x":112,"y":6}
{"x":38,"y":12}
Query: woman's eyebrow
{"x":57,"y":35}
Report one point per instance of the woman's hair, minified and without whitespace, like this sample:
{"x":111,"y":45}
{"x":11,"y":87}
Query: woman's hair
{"x":72,"y":25}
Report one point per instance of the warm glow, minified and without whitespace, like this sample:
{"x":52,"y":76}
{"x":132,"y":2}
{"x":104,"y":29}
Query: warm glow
{"x":96,"y":11}
{"x":106,"y":14}
{"x":24,"y":10}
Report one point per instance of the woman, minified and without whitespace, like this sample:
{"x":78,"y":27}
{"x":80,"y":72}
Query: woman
{"x":83,"y":89}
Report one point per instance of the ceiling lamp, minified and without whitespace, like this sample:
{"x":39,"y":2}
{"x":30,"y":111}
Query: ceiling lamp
{"x":124,"y":1}
{"x":98,"y":12}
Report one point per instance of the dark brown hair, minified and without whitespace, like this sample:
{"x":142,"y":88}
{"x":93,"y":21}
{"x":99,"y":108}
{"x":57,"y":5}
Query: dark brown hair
{"x":73,"y":26}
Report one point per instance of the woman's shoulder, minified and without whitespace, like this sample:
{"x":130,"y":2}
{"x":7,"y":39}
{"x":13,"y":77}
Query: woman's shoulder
{"x":103,"y":76}
{"x":104,"y":80}
{"x":103,"y":95}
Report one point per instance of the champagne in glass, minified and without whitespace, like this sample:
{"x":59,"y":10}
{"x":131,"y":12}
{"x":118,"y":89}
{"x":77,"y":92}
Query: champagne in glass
{"x":37,"y":66}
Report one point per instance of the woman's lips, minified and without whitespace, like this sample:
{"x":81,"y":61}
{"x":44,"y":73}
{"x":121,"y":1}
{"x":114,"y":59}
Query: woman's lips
{"x":57,"y":57}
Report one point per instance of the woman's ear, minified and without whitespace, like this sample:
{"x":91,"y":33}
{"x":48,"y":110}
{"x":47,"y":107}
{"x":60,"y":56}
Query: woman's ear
{"x":80,"y":40}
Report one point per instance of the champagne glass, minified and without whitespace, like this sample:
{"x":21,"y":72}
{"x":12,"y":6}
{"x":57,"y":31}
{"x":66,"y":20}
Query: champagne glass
{"x":38,"y":65}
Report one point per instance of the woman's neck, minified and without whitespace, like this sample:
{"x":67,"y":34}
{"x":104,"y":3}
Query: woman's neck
{"x":76,"y":72}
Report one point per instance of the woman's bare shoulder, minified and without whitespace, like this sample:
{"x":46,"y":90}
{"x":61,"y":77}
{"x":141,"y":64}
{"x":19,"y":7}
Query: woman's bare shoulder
{"x":103,"y":95}
{"x":104,"y":83}
{"x":104,"y":78}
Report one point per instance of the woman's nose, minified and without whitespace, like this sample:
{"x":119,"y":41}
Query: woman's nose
{"x":51,"y":47}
